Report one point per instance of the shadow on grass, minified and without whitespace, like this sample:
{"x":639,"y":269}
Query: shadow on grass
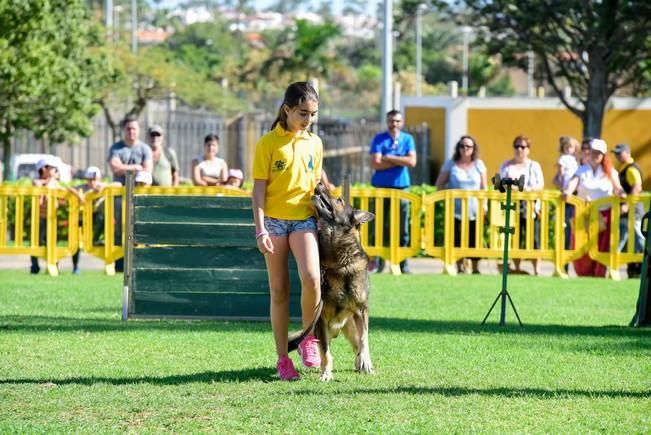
{"x":264,"y":374}
{"x":498,"y":392}
{"x":268,"y":375}
{"x":20,"y":323}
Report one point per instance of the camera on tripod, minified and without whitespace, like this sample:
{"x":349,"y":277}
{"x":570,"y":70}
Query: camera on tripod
{"x":500,"y":183}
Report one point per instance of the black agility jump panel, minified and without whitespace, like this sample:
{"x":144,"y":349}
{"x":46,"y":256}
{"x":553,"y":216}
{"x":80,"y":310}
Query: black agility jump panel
{"x":196,"y":257}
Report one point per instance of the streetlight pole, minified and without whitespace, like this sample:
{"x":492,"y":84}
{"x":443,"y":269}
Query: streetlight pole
{"x":134,"y":26}
{"x":419,"y":47}
{"x":466,"y":50}
{"x":108,"y":18}
{"x":387,"y":59}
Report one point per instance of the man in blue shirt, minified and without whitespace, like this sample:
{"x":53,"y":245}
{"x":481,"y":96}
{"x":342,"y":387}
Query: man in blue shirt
{"x":393,"y":152}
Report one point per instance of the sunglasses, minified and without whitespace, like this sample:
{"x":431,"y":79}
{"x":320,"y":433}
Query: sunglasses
{"x":468,"y":147}
{"x":520,"y":146}
{"x":155,"y":135}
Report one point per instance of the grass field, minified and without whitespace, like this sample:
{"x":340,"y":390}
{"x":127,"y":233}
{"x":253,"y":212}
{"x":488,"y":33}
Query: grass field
{"x":68,"y":364}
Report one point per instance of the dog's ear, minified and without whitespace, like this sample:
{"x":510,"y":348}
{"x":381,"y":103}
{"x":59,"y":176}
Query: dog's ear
{"x":363,"y":216}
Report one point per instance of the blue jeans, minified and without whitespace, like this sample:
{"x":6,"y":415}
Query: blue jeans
{"x":623,"y":233}
{"x":283,"y":227}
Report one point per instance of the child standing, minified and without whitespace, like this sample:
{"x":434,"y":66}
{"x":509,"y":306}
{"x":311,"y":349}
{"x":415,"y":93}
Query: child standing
{"x":567,"y":162}
{"x":286,"y":169}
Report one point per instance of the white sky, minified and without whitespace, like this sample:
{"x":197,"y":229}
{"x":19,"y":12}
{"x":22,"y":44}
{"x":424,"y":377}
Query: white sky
{"x":263,"y":4}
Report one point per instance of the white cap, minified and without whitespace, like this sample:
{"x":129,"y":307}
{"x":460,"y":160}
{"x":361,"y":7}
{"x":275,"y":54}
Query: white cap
{"x":47,"y":161}
{"x":93,"y":173}
{"x":236,"y":173}
{"x":599,"y":145}
{"x":143,"y":177}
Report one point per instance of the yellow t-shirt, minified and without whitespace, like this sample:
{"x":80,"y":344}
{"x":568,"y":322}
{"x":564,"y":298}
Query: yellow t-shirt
{"x":291,"y":164}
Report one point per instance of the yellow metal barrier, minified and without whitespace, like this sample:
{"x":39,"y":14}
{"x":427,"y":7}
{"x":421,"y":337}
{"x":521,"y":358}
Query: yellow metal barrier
{"x":435,"y":212}
{"x":614,"y":259}
{"x":384,"y":245}
{"x":550,"y":212}
{"x":16,"y":198}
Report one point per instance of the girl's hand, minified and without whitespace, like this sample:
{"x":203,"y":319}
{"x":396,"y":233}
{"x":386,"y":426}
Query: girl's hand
{"x":265,"y":246}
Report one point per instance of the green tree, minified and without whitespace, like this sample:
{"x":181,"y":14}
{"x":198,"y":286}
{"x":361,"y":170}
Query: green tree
{"x":595,"y":47}
{"x":47,"y":70}
{"x":304,"y":51}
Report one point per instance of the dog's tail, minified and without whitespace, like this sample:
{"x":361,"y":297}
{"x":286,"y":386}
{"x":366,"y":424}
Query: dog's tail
{"x":295,"y":338}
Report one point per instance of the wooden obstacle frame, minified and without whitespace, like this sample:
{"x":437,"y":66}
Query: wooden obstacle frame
{"x":195,"y":257}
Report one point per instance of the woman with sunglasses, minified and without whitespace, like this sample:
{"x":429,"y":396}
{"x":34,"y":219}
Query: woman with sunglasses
{"x":464,"y":171}
{"x":520,"y":165}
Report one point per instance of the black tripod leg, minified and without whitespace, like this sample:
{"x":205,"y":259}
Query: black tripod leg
{"x":491,"y":308}
{"x":514,"y":310}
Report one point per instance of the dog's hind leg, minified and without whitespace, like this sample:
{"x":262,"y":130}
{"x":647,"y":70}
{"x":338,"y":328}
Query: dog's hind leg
{"x":363,"y":354}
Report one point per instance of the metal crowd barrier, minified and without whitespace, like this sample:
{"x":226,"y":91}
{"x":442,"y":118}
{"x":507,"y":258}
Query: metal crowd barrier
{"x":431,"y":225}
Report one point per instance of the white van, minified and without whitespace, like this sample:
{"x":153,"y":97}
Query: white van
{"x":24,"y":166}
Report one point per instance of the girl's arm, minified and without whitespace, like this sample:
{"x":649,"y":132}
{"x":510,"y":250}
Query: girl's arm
{"x":196,"y":175}
{"x":259,"y":193}
{"x":223,"y":175}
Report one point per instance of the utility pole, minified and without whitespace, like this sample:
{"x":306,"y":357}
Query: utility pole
{"x":419,"y":47}
{"x":134,"y":26}
{"x":466,"y":54}
{"x":108,"y":18}
{"x":387,"y":59}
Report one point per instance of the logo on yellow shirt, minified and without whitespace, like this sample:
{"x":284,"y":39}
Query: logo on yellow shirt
{"x":310,"y":164}
{"x":279,"y":166}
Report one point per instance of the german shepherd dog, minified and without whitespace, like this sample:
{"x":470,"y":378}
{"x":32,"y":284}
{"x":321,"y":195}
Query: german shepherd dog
{"x":344,"y":281}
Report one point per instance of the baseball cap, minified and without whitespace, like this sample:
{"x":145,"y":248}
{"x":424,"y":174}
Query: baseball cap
{"x":236,"y":173}
{"x":155,"y":129}
{"x":621,"y":147}
{"x":143,"y":177}
{"x":92,"y":173}
{"x":599,"y":145}
{"x":45,"y":162}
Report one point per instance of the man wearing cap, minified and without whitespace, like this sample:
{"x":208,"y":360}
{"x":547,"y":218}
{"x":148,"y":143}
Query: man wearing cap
{"x":630,"y":177}
{"x":129,"y":154}
{"x":166,"y":164}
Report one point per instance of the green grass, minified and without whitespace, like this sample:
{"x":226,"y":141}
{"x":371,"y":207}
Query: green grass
{"x":68,"y":364}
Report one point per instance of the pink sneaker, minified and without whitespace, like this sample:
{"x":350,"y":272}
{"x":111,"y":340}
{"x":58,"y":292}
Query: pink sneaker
{"x":308,"y":349}
{"x":286,"y":370}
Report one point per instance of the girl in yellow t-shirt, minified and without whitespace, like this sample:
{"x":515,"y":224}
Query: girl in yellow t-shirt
{"x":286,"y":168}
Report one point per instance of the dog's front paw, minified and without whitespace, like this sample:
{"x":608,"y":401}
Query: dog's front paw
{"x":326,"y":376}
{"x":364,"y":365}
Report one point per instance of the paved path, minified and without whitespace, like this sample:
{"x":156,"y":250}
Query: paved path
{"x":417,"y":265}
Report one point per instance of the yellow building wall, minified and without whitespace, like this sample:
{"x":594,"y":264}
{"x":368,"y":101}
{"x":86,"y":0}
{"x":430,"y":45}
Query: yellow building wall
{"x":434,"y":117}
{"x":634,"y":128}
{"x":495,"y":129}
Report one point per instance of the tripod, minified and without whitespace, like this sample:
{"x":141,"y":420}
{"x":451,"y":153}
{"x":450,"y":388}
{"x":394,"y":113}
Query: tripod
{"x":505,"y":184}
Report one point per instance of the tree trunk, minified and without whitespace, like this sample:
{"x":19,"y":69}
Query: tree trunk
{"x":5,"y":138}
{"x":597,"y":94}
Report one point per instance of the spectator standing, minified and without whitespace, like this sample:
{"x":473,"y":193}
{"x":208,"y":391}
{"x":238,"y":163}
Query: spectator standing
{"x":464,"y":171}
{"x":211,"y":170}
{"x":128,"y":154}
{"x":392,"y":153}
{"x":630,"y":178}
{"x":594,"y":180}
{"x":585,"y":151}
{"x":286,"y":169}
{"x":93,"y":178}
{"x":46,"y":178}
{"x":566,"y":167}
{"x":520,"y":165}
{"x":166,"y":164}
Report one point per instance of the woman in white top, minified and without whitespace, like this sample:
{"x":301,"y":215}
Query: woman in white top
{"x":464,"y":171}
{"x":594,"y":180}
{"x":519,"y":165}
{"x":212,"y":170}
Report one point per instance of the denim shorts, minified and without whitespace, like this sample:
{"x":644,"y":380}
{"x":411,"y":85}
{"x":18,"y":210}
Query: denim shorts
{"x":283,"y":227}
